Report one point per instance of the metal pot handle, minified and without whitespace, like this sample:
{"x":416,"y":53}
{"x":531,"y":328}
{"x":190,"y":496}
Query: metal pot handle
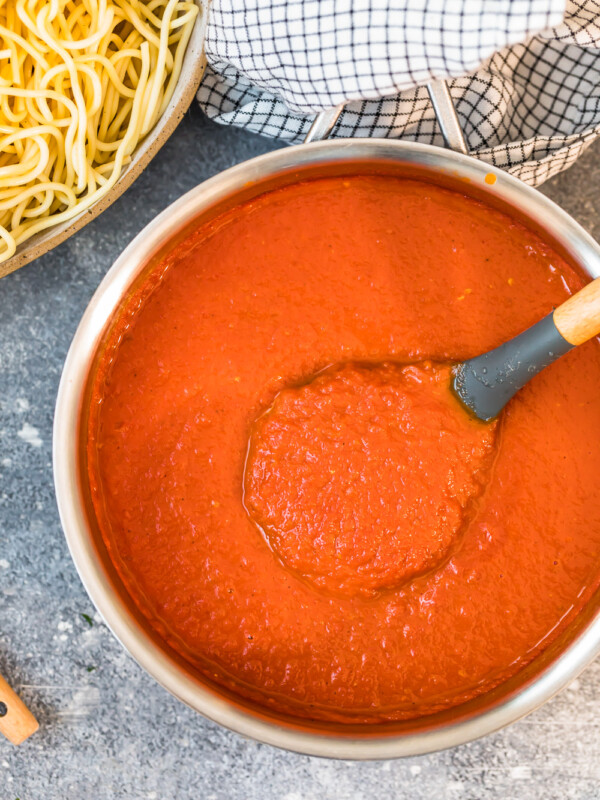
{"x":443,"y":106}
{"x":323,"y":124}
{"x":447,"y":118}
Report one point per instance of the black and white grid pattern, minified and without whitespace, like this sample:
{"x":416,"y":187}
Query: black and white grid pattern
{"x":524,"y":74}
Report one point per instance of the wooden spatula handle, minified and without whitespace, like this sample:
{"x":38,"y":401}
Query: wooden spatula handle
{"x":16,"y":720}
{"x":578,"y":318}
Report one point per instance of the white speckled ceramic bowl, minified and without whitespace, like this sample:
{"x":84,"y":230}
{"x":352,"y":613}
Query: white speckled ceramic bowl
{"x":192,"y":70}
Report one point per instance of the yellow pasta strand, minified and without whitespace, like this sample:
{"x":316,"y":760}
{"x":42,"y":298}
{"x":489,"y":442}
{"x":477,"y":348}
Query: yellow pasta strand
{"x":81,"y":82}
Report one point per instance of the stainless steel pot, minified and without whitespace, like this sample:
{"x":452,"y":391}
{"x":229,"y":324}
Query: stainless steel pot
{"x":549,"y":673}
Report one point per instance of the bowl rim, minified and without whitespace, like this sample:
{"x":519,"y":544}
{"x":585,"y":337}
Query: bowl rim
{"x":554,"y":677}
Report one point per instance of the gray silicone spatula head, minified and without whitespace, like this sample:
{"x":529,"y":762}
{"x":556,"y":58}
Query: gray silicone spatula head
{"x":486,"y":383}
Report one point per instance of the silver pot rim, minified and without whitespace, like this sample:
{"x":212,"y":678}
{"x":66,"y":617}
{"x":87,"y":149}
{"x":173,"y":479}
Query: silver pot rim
{"x":155,"y":659}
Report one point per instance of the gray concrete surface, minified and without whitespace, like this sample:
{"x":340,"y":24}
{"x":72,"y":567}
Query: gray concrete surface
{"x":107,"y":730}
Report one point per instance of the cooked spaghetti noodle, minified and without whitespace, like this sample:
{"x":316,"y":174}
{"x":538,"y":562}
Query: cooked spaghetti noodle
{"x":81,"y":83}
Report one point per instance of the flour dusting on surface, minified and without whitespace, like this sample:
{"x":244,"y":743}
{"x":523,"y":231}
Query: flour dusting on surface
{"x":522,"y":772}
{"x":30,"y":435}
{"x":83,"y":703}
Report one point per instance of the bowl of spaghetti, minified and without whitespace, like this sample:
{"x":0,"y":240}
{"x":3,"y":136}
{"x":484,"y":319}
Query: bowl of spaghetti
{"x":89,"y":92}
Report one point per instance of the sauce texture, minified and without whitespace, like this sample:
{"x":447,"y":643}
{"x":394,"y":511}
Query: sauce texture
{"x":362,"y":478}
{"x":282,"y":480}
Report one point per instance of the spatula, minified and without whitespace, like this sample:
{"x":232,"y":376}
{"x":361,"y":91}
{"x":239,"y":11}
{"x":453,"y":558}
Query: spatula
{"x":486,"y":383}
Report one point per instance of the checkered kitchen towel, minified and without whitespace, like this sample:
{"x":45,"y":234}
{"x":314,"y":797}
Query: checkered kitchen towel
{"x":525,"y":74}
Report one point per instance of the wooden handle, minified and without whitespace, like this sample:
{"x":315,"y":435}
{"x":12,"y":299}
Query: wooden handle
{"x":16,"y":720}
{"x":578,"y":318}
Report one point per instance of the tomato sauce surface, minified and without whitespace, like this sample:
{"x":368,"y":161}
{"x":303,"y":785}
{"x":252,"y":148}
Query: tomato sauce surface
{"x":363,"y":478}
{"x":285,"y":484}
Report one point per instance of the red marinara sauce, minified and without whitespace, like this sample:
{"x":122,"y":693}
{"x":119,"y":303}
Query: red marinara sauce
{"x":281,"y":478}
